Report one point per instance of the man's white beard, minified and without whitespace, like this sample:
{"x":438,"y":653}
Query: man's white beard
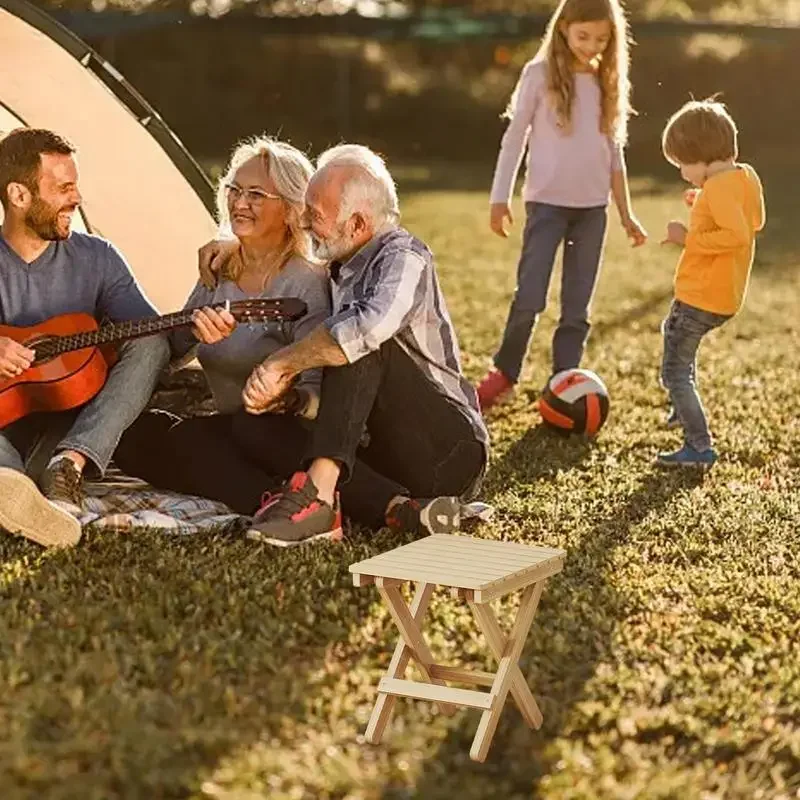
{"x":331,"y":249}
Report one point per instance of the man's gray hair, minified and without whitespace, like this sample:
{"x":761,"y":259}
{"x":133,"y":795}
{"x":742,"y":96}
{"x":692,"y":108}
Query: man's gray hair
{"x":369,"y":187}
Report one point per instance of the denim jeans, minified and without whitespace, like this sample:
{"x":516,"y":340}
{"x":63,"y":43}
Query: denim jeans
{"x":94,"y":429}
{"x":684,"y":329}
{"x":583,"y":232}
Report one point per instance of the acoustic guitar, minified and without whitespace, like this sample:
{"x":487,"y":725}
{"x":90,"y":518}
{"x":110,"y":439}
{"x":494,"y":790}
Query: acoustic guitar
{"x":74,"y":353}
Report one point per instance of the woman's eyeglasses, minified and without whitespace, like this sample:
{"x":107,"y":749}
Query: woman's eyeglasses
{"x":253,"y":197}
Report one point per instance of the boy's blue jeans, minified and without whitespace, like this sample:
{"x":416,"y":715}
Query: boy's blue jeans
{"x":684,"y":329}
{"x":583,"y":232}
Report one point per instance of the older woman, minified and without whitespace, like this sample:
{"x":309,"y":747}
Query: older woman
{"x":260,"y":202}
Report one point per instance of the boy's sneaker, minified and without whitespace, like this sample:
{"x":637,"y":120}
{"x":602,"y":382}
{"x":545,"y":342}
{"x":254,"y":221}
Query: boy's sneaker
{"x":424,"y":517}
{"x":24,"y":510}
{"x":62,"y":484}
{"x":687,"y":456}
{"x":673,"y":420}
{"x":494,"y":389}
{"x":296,"y":515}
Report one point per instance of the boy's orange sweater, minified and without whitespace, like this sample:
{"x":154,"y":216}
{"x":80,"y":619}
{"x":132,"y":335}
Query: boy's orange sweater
{"x":714,"y":267}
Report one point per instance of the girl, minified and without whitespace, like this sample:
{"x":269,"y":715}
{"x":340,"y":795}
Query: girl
{"x":571,"y":108}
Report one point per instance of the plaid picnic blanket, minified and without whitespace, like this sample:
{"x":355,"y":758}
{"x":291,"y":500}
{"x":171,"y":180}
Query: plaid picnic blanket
{"x":120,"y":502}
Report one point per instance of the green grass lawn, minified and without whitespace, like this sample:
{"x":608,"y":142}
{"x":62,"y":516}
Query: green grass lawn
{"x":664,"y":657}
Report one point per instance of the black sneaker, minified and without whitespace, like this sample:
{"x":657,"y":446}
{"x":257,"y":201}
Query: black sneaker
{"x":62,"y":484}
{"x":424,"y":517}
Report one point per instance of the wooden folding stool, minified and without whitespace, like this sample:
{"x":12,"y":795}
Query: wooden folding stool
{"x":478,"y":571}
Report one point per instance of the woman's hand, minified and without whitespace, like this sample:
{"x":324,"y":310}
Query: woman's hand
{"x":212,"y":258}
{"x":212,"y":325}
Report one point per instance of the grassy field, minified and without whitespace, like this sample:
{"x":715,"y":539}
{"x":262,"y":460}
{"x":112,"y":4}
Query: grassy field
{"x":664,"y":657}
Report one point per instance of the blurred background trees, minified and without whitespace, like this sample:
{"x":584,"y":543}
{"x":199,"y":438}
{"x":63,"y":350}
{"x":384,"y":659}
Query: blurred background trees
{"x":427,"y":80}
{"x":752,"y":11}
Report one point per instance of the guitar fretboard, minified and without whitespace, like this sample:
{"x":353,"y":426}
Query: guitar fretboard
{"x":112,"y":333}
{"x":283,"y":309}
{"x":125,"y":330}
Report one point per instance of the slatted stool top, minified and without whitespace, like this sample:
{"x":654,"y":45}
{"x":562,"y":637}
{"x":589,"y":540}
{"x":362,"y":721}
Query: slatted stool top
{"x":488,"y":568}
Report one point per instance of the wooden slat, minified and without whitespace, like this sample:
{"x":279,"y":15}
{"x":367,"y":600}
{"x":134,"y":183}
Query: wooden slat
{"x":427,"y":691}
{"x":489,"y":549}
{"x":469,"y":562}
{"x":483,"y":573}
{"x":363,"y":580}
{"x":409,"y":567}
{"x":489,"y":544}
{"x":461,"y":675}
{"x":485,"y":594}
{"x":436,"y":577}
{"x":464,"y":562}
{"x":448,"y":544}
{"x":504,"y":552}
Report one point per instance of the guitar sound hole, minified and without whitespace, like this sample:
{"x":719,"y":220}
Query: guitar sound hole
{"x":44,"y":346}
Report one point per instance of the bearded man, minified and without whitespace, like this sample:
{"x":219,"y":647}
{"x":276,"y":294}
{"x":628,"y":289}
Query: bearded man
{"x":47,"y":270}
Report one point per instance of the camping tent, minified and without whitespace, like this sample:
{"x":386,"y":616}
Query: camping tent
{"x":141,"y":188}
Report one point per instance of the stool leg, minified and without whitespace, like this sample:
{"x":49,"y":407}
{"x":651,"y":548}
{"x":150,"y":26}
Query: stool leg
{"x":384,"y":705}
{"x":519,"y":686}
{"x":411,"y":632}
{"x":505,"y":673}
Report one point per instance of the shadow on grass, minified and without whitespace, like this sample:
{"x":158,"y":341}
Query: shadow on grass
{"x":539,"y":453}
{"x":657,"y":302}
{"x":579,"y":612}
{"x":131,"y":665}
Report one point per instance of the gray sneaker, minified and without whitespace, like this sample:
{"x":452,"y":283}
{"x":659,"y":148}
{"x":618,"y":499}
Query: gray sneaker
{"x":62,"y":484}
{"x":426,"y":516}
{"x":296,"y":515}
{"x":25,"y":511}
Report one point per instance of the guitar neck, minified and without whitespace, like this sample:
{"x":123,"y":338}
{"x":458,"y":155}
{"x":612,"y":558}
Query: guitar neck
{"x":119,"y":331}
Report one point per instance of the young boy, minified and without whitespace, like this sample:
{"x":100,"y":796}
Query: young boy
{"x":727,"y":208}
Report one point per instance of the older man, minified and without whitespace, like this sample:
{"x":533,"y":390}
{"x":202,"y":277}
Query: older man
{"x":398,"y":423}
{"x":45,"y":270}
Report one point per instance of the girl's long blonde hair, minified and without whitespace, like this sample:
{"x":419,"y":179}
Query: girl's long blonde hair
{"x":290,"y":171}
{"x":612,"y":75}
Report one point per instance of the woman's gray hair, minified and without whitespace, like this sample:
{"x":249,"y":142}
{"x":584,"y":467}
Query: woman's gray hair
{"x":368,"y":189}
{"x":290,"y":171}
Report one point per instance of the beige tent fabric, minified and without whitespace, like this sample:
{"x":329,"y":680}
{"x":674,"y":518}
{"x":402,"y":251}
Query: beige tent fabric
{"x":133,"y":193}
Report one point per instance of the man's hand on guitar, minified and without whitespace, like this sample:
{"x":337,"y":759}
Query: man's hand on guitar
{"x":212,"y":257}
{"x":15,"y":358}
{"x":212,"y":325}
